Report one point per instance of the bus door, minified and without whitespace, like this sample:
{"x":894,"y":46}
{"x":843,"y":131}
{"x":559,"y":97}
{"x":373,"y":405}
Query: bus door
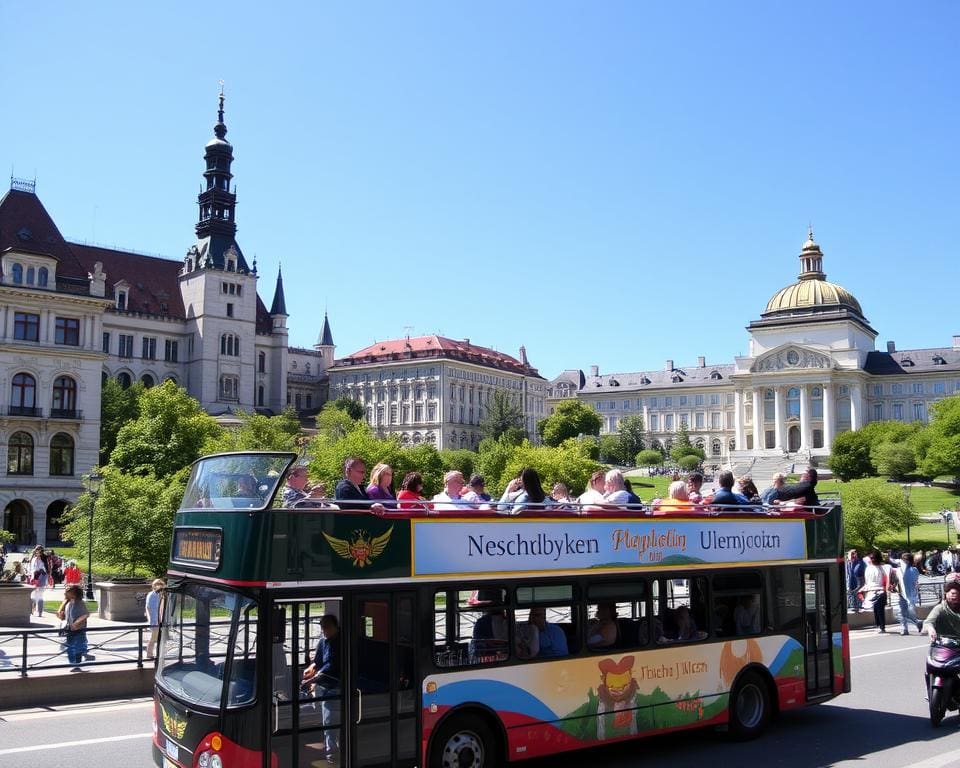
{"x":383,"y":680}
{"x":818,"y":644}
{"x":306,"y":721}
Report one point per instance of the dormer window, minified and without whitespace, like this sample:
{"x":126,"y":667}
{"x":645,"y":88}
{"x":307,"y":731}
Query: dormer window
{"x":17,"y":273}
{"x":121,"y":300}
{"x":676,"y":379}
{"x":231,"y":265}
{"x":938,"y":360}
{"x":43,"y":277}
{"x":31,"y":274}
{"x":715,"y":375}
{"x":906,"y":362}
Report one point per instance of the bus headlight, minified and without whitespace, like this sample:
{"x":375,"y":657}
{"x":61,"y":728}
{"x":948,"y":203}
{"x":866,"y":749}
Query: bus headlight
{"x":216,"y":762}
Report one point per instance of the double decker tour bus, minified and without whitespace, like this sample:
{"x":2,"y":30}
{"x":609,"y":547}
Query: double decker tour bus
{"x":472,"y":639}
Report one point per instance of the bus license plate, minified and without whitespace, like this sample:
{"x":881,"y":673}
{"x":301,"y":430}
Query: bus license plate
{"x":172,"y":750}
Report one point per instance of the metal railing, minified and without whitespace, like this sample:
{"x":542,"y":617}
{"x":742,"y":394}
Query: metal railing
{"x":25,"y":651}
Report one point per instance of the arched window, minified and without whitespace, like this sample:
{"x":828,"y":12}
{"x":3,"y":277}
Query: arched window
{"x":147,"y":380}
{"x":715,"y":447}
{"x":17,"y":272}
{"x":23,"y":394}
{"x":262,"y":362}
{"x":64,"y":397}
{"x":229,"y":387}
{"x":31,"y":273}
{"x":61,"y":455}
{"x":20,"y":454}
{"x":733,"y":444}
{"x":793,"y":403}
{"x":43,"y":277}
{"x":124,"y":380}
{"x":230,"y":345}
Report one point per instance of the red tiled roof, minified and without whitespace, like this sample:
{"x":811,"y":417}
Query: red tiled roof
{"x":435,"y":346}
{"x":25,"y":225}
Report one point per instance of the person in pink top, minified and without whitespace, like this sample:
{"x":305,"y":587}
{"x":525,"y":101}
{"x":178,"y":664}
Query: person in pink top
{"x":381,"y":485}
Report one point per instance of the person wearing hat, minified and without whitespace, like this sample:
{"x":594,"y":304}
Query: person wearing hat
{"x":944,"y":619}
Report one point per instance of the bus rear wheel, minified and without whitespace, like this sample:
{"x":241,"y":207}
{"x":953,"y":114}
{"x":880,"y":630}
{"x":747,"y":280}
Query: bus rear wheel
{"x":464,"y":742}
{"x":750,"y":708}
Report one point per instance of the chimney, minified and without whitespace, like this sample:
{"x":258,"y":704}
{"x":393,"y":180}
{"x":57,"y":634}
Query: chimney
{"x":669,"y":366}
{"x":701,"y":362}
{"x":956,"y":342}
{"x":523,"y":355}
{"x":466,"y":342}
{"x":892,"y":346}
{"x":594,"y":370}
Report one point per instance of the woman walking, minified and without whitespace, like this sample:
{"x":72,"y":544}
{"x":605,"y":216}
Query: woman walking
{"x":875,"y":583}
{"x":39,"y":572}
{"x":73,"y":612}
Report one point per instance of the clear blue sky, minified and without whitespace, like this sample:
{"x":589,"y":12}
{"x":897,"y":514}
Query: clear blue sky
{"x":610,"y":183}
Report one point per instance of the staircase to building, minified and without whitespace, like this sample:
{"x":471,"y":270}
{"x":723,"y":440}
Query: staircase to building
{"x":763,"y":468}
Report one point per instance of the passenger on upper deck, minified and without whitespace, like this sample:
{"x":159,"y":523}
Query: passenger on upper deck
{"x":772,"y":494}
{"x":677,"y":499}
{"x":632,"y":497}
{"x":296,"y":491}
{"x":694,"y":483}
{"x":350,"y":488}
{"x":561,"y":493}
{"x":594,"y":492}
{"x":616,"y":492}
{"x":805,"y":492}
{"x":748,"y":489}
{"x":451,"y":498}
{"x":475,"y":492}
{"x":531,"y":497}
{"x":411,"y":492}
{"x":725,"y":498}
{"x":381,"y":485}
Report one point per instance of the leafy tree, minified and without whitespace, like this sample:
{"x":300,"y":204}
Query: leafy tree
{"x":689,"y":462}
{"x":896,"y":460}
{"x":611,"y":449}
{"x":571,"y":418}
{"x":683,"y":447}
{"x":117,"y":407}
{"x":631,"y":433}
{"x":6,"y":536}
{"x":426,"y":460}
{"x":492,"y":459}
{"x":939,"y":446}
{"x":503,"y":417}
{"x":850,"y":456}
{"x":258,"y":433}
{"x":460,"y":459}
{"x":353,"y":408}
{"x":649,"y":458}
{"x":168,"y":434}
{"x":569,"y":463}
{"x":873,"y":507}
{"x":133,"y":519}
{"x":333,"y":422}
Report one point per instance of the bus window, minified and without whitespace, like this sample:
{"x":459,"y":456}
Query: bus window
{"x":545,"y":629}
{"x":242,"y":688}
{"x":788,"y":604}
{"x":472,"y":627}
{"x":681,"y":606}
{"x":737,"y":604}
{"x":617,"y":616}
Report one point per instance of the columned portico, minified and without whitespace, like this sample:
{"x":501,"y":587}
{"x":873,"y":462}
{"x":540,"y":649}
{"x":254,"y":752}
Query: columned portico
{"x":778,"y":418}
{"x":757,"y":423}
{"x":829,"y":416}
{"x":739,"y":441}
{"x":856,"y":407}
{"x":805,"y":442}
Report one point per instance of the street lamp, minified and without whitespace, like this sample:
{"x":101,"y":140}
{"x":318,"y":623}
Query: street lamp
{"x":906,"y":498}
{"x":93,"y":487}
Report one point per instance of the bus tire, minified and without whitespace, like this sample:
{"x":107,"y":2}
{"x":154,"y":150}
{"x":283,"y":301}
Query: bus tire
{"x":750,"y":707}
{"x":464,"y":741}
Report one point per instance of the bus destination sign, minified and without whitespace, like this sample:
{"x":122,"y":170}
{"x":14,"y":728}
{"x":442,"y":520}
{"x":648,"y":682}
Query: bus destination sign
{"x":450,"y":548}
{"x":199,"y":547}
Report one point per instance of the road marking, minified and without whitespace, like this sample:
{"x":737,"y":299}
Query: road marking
{"x":894,"y":650}
{"x":937,"y":761}
{"x":75,"y":709}
{"x":81,"y":743}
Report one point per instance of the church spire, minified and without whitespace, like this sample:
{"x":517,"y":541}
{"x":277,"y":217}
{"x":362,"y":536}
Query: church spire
{"x":279,"y":306}
{"x":216,"y":200}
{"x":326,"y":337}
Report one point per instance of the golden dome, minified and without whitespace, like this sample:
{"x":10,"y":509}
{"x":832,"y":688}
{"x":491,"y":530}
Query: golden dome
{"x":812,"y":292}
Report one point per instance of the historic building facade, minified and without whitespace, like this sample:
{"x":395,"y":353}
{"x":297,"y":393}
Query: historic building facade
{"x":430,"y":389}
{"x":811,"y":373}
{"x":74,"y":315}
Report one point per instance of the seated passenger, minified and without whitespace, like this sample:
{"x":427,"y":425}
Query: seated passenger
{"x":532,"y":497}
{"x":746,"y":616}
{"x":451,"y":500}
{"x":694,"y":483}
{"x":616,"y":491}
{"x":725,"y":499}
{"x":805,"y":492}
{"x":748,"y":489}
{"x":593,"y":496}
{"x":527,"y":639}
{"x":686,"y":626}
{"x":296,"y":492}
{"x":551,"y":640}
{"x":350,"y":492}
{"x":490,"y":632}
{"x":677,"y":499}
{"x":380,"y":487}
{"x":603,"y":631}
{"x":411,"y":492}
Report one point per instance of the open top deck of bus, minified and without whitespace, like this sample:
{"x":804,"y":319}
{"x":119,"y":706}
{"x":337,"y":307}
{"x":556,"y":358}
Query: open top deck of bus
{"x":231,"y":529}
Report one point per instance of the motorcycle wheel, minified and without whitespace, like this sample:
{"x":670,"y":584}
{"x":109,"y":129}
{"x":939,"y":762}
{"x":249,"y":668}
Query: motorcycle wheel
{"x":938,"y":705}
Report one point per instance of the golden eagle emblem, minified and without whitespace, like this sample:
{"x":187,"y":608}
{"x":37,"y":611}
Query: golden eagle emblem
{"x":361,"y":549}
{"x":172,"y":724}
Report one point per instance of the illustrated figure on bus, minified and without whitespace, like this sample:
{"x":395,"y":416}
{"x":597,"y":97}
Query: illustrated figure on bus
{"x":322,"y":678}
{"x":615,"y":698}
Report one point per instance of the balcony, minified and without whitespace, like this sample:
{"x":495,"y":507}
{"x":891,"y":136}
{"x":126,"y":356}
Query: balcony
{"x":23,"y":410}
{"x":69,"y":414}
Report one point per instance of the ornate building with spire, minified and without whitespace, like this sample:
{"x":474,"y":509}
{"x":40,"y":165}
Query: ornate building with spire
{"x":73,"y":315}
{"x":812,"y":372}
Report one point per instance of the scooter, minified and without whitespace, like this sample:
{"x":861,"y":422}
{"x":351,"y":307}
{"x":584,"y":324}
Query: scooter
{"x":943,"y":678}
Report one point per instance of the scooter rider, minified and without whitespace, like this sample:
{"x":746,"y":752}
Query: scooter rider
{"x":944,"y":619}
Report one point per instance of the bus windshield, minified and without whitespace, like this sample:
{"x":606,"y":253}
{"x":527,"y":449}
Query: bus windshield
{"x":235,"y":481}
{"x":209,"y":637}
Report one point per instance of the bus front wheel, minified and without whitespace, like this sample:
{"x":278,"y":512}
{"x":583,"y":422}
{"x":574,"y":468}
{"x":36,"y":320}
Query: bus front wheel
{"x":750,"y":707}
{"x":464,"y":742}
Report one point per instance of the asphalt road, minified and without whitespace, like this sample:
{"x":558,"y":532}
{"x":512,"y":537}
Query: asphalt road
{"x":883,"y":722}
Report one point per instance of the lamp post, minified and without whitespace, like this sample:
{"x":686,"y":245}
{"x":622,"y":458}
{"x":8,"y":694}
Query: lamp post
{"x":93,"y":486}
{"x":906,"y":498}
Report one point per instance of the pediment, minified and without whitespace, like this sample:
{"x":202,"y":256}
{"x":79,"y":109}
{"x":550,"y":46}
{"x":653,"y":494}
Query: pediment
{"x":791,"y":357}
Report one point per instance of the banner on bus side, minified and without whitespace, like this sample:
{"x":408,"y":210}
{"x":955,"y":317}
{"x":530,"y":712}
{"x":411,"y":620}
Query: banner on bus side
{"x":453,"y":547}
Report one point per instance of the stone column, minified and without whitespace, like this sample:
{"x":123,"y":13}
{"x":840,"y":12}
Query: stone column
{"x":757,"y":420}
{"x":646,"y":417}
{"x":738,"y":420}
{"x":777,"y":417}
{"x":856,"y":407}
{"x":805,"y":437}
{"x":829,"y":416}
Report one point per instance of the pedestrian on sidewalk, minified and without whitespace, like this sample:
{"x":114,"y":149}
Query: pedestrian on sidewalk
{"x":72,"y":574}
{"x":73,"y":612}
{"x":875,"y":587}
{"x":908,"y":594}
{"x":39,"y":574}
{"x":152,"y":610}
{"x":854,"y":568}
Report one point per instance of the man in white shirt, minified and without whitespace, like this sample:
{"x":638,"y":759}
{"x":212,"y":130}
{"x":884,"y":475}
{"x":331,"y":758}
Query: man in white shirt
{"x":450,"y":499}
{"x":616,"y":490}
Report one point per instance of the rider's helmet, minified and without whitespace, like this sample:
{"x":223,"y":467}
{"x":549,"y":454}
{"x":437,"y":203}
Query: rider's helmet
{"x":951,"y":582}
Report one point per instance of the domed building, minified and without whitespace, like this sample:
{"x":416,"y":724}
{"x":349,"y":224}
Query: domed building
{"x":812,"y":372}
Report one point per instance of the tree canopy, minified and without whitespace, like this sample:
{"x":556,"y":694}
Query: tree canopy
{"x":353,"y":408}
{"x":117,"y":407}
{"x":873,"y":507}
{"x":570,"y":419}
{"x":503,"y":417}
